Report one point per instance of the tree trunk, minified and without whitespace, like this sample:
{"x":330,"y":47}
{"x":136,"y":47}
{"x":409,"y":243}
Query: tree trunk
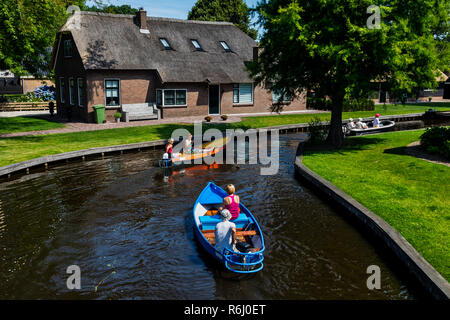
{"x":335,"y":134}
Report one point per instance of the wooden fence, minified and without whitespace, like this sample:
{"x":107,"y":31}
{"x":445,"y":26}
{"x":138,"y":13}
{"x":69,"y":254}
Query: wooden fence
{"x":25,"y":106}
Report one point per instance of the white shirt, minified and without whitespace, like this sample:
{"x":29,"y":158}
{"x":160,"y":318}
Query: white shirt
{"x":376,"y":122}
{"x":224,"y":238}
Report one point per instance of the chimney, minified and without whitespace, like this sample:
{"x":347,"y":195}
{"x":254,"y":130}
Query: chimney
{"x":142,"y":20}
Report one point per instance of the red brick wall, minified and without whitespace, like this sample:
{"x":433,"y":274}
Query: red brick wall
{"x":135,"y":87}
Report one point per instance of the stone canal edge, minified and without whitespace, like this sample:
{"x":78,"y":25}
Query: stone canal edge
{"x":428,"y":277}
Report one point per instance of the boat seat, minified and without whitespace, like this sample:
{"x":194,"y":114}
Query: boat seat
{"x":209,"y":222}
{"x":240,"y":235}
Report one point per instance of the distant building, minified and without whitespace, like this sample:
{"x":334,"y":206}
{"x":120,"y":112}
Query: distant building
{"x":10,"y":84}
{"x":185,"y":67}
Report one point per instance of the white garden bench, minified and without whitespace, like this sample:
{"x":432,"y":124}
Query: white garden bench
{"x":140,"y":111}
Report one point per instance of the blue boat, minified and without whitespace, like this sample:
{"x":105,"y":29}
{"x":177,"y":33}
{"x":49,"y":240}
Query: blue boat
{"x":249,"y":258}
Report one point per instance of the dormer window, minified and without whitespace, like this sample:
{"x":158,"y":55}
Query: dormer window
{"x":225,"y":46}
{"x":165,"y":43}
{"x":196,"y":45}
{"x":67,"y":48}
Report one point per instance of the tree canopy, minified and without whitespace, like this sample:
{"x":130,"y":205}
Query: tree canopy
{"x":123,"y":9}
{"x":332,"y":48}
{"x":27,"y":33}
{"x":235,"y":11}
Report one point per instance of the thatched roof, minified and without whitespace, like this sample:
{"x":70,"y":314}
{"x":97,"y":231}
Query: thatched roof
{"x":110,"y":41}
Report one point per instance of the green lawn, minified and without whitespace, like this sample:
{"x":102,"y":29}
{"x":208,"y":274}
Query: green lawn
{"x":23,"y":124}
{"x":16,"y":149}
{"x":410,"y":194}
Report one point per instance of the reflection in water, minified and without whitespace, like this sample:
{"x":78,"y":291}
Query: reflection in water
{"x":128,"y":225}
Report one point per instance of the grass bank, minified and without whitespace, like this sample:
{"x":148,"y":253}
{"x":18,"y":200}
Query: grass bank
{"x":24,"y":124}
{"x":408,"y":193}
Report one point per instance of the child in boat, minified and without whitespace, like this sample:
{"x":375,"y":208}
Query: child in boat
{"x":376,"y":121}
{"x":169,"y":147}
{"x":231,"y":202}
{"x":361,"y":125}
{"x":225,"y":232}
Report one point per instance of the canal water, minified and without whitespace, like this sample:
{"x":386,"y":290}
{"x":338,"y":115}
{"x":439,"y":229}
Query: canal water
{"x":129,"y":228}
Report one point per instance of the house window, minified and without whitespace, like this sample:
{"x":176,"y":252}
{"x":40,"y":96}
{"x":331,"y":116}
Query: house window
{"x":196,"y":45}
{"x":243,"y":93}
{"x":67,"y":48}
{"x":62,"y":88}
{"x":72,"y":91}
{"x":165,"y":43}
{"x":80,"y":91}
{"x":171,"y":97}
{"x":277,"y":95}
{"x":112,"y":92}
{"x":225,"y":46}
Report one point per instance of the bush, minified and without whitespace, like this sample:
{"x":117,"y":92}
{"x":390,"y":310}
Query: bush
{"x":349,"y":105}
{"x":317,"y":132}
{"x":117,"y":115}
{"x":436,"y":140}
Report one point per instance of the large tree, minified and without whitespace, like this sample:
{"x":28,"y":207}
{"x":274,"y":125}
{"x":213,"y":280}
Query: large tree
{"x":334,"y":48}
{"x":235,"y":11}
{"x":27,"y":33}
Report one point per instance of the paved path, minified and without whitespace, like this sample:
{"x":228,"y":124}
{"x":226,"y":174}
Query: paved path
{"x":82,"y":126}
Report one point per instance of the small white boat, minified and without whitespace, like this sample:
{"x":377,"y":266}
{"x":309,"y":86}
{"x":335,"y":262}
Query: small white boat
{"x":385,"y":125}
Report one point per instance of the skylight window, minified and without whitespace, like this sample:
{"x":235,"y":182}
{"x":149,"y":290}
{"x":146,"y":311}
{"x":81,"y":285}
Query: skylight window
{"x":225,"y":46}
{"x":196,"y":45}
{"x":165,"y":43}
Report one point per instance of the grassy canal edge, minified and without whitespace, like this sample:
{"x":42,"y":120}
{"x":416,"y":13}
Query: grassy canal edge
{"x":409,"y":193}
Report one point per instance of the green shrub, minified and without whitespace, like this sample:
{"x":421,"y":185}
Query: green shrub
{"x":349,"y":105}
{"x":436,"y":140}
{"x":117,"y":115}
{"x":317,"y":132}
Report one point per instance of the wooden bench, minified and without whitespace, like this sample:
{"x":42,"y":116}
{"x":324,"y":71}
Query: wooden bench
{"x":240,"y":234}
{"x":140,"y":111}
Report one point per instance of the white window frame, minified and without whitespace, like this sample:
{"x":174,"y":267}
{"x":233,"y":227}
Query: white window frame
{"x":243,"y":103}
{"x":120,"y":92}
{"x":80,"y":100}
{"x":62,"y":86}
{"x":164,"y":41}
{"x":171,"y":105}
{"x":72,"y":103}
{"x":194,"y":42}
{"x":225,"y":46}
{"x":285,"y":100}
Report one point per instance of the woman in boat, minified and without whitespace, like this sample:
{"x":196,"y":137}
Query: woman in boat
{"x":169,"y":147}
{"x":231,"y":202}
{"x":225,"y":232}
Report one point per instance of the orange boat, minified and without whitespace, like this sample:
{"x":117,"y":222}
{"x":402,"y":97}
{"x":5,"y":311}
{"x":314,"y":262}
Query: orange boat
{"x":207,"y":149}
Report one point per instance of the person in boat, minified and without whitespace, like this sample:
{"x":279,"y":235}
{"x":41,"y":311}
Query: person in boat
{"x":361,"y":125}
{"x":231,"y":202}
{"x":169,"y":147}
{"x":225,"y":232}
{"x":376,"y":121}
{"x":188,"y":144}
{"x":351,"y":124}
